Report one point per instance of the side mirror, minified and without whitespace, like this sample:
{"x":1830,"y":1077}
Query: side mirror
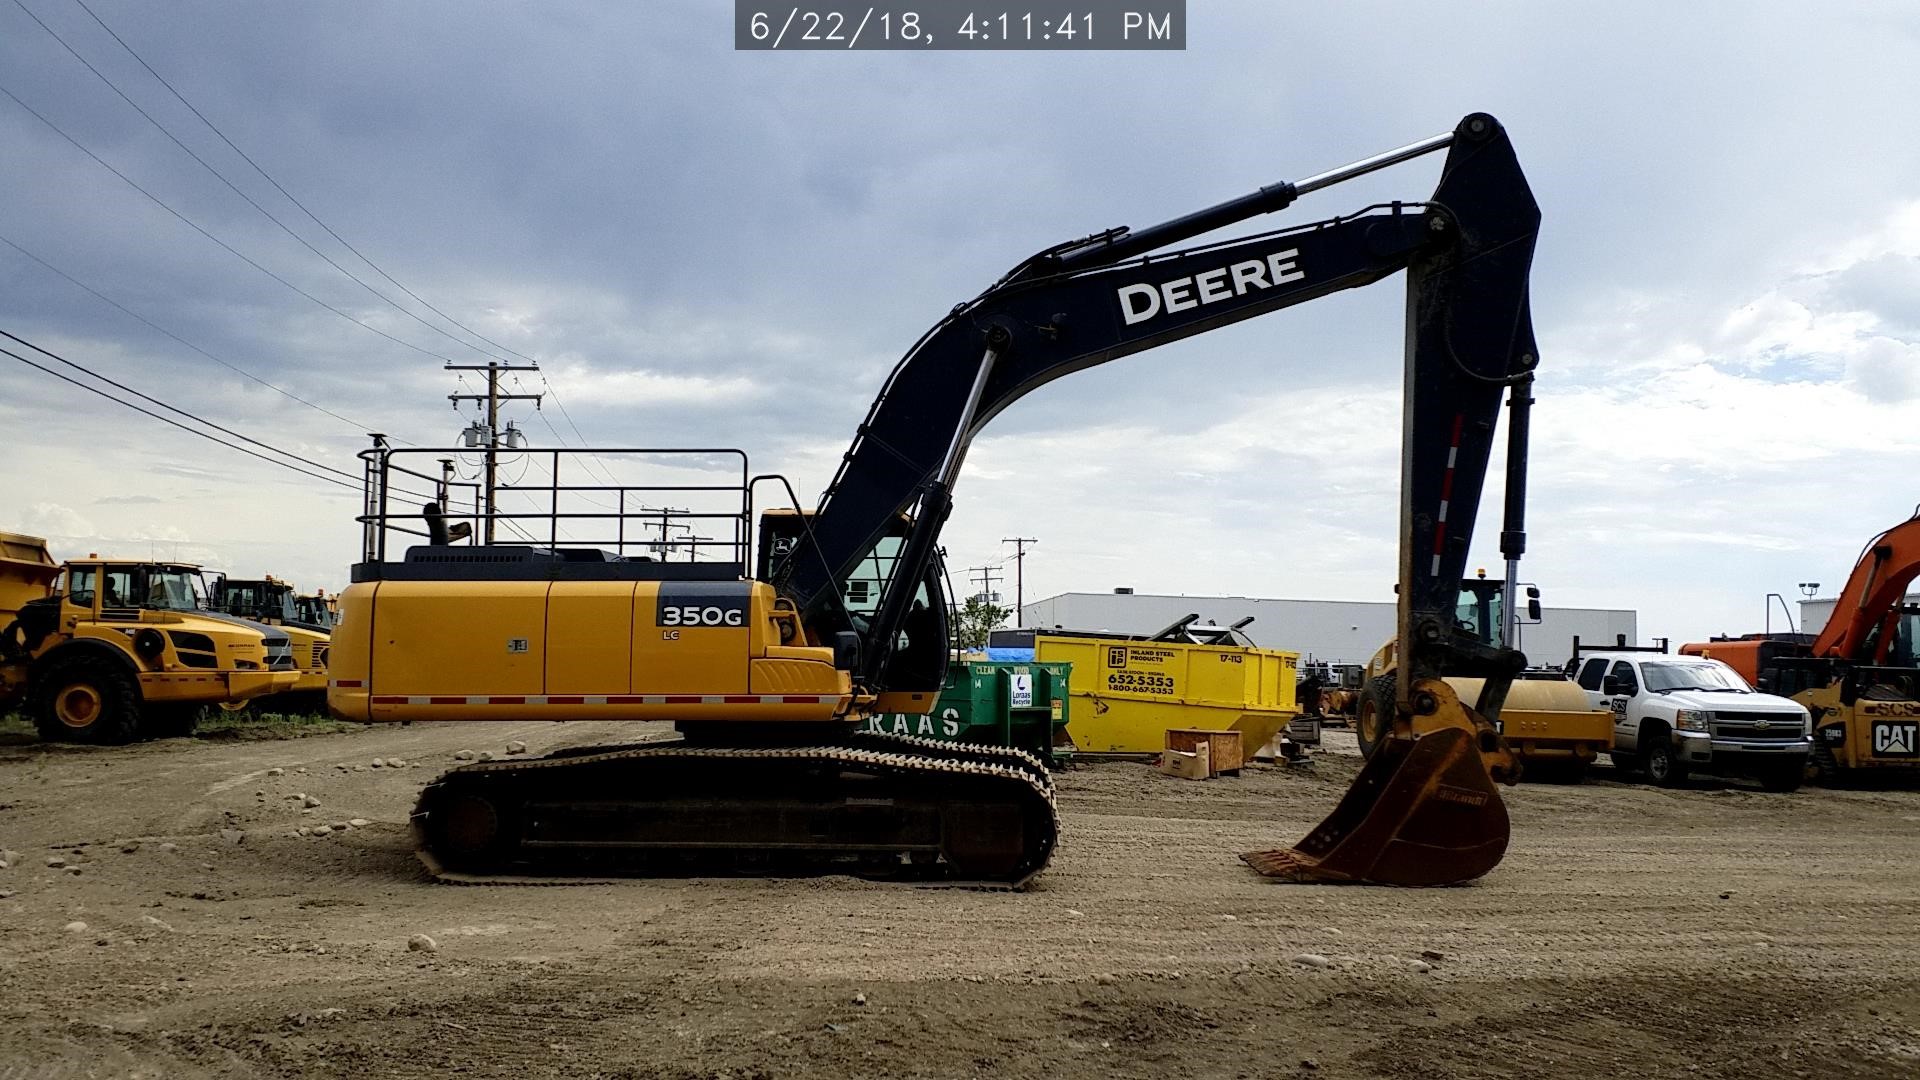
{"x":1611,"y":685}
{"x":846,"y":650}
{"x":1533,"y":603}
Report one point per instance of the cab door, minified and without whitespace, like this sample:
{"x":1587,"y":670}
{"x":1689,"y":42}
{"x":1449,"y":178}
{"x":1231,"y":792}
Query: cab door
{"x":1621,"y":686}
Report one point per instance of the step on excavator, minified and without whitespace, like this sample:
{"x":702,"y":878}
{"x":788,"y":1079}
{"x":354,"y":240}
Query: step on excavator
{"x":1860,"y":676}
{"x":768,"y":674}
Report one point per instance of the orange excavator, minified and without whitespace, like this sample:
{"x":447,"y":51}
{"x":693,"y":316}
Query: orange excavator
{"x":1859,"y":677}
{"x":769,"y":658}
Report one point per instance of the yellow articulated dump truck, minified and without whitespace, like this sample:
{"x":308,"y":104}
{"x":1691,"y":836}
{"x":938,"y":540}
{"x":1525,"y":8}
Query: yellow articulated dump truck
{"x":272,"y":602}
{"x":106,"y":651}
{"x":1128,"y":691}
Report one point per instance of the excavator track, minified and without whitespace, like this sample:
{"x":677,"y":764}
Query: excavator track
{"x":878,"y":806}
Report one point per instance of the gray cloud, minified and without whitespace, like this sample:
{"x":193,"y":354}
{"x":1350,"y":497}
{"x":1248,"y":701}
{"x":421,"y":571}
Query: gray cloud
{"x":708,"y":246}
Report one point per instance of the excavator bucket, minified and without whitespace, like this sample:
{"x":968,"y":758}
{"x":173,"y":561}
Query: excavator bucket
{"x":1422,"y":812}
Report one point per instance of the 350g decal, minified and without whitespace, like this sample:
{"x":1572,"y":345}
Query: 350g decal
{"x":695,"y":615}
{"x":700,"y":605}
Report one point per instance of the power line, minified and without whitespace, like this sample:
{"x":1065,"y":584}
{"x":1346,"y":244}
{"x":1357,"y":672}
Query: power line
{"x":161,"y":329}
{"x":235,"y":252}
{"x":605,"y":473}
{"x":568,"y":417}
{"x":175,"y":423}
{"x":350,"y":480}
{"x":171,"y":408}
{"x":218,"y":175}
{"x":290,"y":197}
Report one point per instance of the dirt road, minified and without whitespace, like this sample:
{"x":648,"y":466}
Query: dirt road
{"x":1712,"y":932}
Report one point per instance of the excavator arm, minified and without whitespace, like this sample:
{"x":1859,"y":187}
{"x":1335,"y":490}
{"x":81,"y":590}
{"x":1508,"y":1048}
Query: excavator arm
{"x":1469,"y":337}
{"x":1424,"y":810}
{"x":1861,"y":627}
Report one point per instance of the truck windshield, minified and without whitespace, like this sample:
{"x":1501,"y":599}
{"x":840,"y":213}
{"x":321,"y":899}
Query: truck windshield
{"x":1695,"y":676}
{"x":173,"y":589}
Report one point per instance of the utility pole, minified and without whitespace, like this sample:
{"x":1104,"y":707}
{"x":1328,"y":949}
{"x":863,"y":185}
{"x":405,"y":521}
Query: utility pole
{"x":493,"y":397}
{"x":1019,"y":575}
{"x":664,"y":547}
{"x":988,"y":577}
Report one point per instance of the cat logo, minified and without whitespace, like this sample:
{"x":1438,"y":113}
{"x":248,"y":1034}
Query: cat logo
{"x":1896,"y":739}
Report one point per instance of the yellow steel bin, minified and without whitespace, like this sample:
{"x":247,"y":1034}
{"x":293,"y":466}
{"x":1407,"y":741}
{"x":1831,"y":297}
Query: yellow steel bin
{"x":1133,"y":691}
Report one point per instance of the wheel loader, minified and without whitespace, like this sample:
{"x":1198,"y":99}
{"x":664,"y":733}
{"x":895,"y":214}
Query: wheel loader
{"x":767,"y":656}
{"x":106,"y":651}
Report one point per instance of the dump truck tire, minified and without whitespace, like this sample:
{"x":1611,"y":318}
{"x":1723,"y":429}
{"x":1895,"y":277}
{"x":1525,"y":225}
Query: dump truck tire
{"x":85,"y":699}
{"x":169,"y":721}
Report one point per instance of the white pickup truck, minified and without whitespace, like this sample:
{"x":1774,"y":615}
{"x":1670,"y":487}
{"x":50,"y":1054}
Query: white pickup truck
{"x":1673,"y":715}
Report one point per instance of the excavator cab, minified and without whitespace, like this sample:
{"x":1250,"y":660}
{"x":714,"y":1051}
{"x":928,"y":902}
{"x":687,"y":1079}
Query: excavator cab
{"x":917,"y":665}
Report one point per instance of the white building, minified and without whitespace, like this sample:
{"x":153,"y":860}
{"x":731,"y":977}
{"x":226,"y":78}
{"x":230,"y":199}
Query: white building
{"x":1337,"y":631}
{"x":1815,"y":613}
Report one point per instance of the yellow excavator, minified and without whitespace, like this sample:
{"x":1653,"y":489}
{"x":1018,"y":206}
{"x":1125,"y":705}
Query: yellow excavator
{"x":768,"y":658}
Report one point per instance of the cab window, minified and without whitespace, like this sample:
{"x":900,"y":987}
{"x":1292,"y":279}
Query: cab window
{"x":1629,"y":683}
{"x":120,"y":589}
{"x":80,"y":586}
{"x":1591,"y":673}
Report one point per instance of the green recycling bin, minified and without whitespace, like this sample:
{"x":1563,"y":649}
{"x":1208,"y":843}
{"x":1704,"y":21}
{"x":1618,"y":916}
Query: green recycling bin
{"x":995,"y":703}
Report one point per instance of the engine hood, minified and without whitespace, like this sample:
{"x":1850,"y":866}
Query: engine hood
{"x":273,"y":634}
{"x":1745,"y":703}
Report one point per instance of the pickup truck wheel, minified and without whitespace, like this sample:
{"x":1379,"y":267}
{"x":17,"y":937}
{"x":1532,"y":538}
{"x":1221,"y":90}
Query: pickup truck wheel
{"x":1663,"y":766}
{"x":85,"y":700}
{"x":1373,"y":720}
{"x":1783,"y":777}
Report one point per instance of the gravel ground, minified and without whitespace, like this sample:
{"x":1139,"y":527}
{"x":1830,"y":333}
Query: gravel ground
{"x":1712,"y":932}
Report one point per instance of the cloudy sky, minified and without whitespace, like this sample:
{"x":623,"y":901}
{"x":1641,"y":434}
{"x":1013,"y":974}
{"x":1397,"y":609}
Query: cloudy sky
{"x":703,"y":247}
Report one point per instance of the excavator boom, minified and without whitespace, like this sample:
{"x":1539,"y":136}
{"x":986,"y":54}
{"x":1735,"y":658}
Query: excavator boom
{"x":1870,"y":602}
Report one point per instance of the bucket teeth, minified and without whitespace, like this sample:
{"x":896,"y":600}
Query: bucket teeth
{"x":1279,"y":863}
